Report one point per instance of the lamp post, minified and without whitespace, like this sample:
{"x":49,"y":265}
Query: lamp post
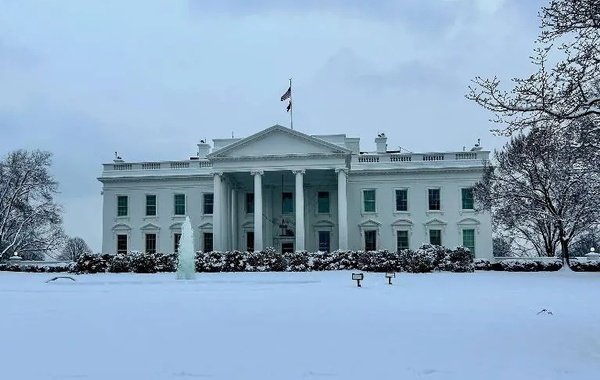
{"x":592,"y":255}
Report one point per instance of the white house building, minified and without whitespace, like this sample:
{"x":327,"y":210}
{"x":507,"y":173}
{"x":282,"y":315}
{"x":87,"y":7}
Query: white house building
{"x":284,"y":189}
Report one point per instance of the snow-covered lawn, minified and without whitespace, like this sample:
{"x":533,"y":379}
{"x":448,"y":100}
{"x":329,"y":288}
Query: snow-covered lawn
{"x":300,"y":326}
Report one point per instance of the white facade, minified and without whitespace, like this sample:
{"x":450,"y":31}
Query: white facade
{"x":349,"y":199}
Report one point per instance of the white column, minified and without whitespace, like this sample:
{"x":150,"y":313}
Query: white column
{"x":258,"y":210}
{"x":217,"y":212}
{"x":342,"y":210}
{"x":234,"y":220}
{"x":225,"y":221}
{"x":299,"y":209}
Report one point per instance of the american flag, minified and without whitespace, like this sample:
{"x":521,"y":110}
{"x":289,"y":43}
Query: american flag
{"x":287,"y":94}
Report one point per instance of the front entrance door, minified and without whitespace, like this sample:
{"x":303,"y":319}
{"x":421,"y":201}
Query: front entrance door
{"x":287,"y":247}
{"x":250,"y":241}
{"x":324,"y":241}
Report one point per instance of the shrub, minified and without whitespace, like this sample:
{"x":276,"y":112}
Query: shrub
{"x":439,"y":254}
{"x":119,"y":263}
{"x":23,"y":267}
{"x":166,"y":262}
{"x":143,"y":262}
{"x":210,"y":261}
{"x":482,"y":264}
{"x":379,"y":261}
{"x":585,"y":265}
{"x":521,"y":265}
{"x":91,"y":263}
{"x":419,"y":261}
{"x":297,"y":261}
{"x":459,"y":260}
{"x":234,"y":261}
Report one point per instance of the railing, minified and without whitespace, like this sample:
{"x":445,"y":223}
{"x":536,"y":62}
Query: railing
{"x":180,"y":165}
{"x":419,"y":159}
{"x":122,"y":166}
{"x":466,"y":156}
{"x":169,"y":165}
{"x":151,"y":165}
{"x":400,"y":158}
{"x":433,"y":157}
{"x":370,"y":158}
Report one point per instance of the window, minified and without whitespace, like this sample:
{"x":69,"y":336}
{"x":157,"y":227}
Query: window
{"x":469,"y":240}
{"x":287,"y":203}
{"x":179,"y":204}
{"x":467,"y":199}
{"x":122,"y":201}
{"x":287,"y":247}
{"x":208,"y":201}
{"x":370,"y":240}
{"x":435,"y":237}
{"x":176,"y":238}
{"x":324,"y":241}
{"x":323,"y":202}
{"x":122,"y":244}
{"x":249,"y":203}
{"x":401,"y":200}
{"x":250,"y":241}
{"x":402,"y":239}
{"x":151,"y":243}
{"x":434,"y":199}
{"x":208,"y":242}
{"x":369,"y":200}
{"x":150,"y":205}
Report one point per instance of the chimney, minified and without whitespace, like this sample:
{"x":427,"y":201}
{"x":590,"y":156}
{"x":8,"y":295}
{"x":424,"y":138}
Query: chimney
{"x":381,"y":142}
{"x":203,"y":149}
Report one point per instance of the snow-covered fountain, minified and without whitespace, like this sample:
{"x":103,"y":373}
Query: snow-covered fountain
{"x":186,"y":267}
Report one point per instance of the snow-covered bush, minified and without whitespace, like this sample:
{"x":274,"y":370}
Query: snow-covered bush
{"x":119,"y":263}
{"x":585,"y":265}
{"x":24,"y":267}
{"x":273,"y":261}
{"x":234,"y":261}
{"x":459,"y":260}
{"x":143,"y":262}
{"x":523,"y":265}
{"x":210,"y":261}
{"x":379,"y":261}
{"x":92,"y":263}
{"x":419,"y":261}
{"x":166,"y":262}
{"x":439,"y":254}
{"x":482,"y":264}
{"x":298,"y":261}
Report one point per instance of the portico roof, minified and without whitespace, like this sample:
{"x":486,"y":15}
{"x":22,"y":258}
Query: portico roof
{"x":278,"y":141}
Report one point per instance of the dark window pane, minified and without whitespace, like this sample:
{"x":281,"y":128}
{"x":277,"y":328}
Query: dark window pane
{"x":469,"y":240}
{"x":402,"y":200}
{"x":435,"y":237}
{"x":176,"y":238}
{"x":434,"y":199}
{"x":151,"y":243}
{"x":150,"y":205}
{"x":402,"y":240}
{"x":287,"y":247}
{"x":287,"y":203}
{"x":324,"y":241}
{"x":250,"y":241}
{"x":122,"y":201}
{"x":323,"y":202}
{"x":370,"y":240}
{"x":467,"y":199}
{"x":208,"y":242}
{"x":249,"y":203}
{"x":179,"y":204}
{"x":369,"y":200}
{"x":122,"y":244}
{"x":208,"y":203}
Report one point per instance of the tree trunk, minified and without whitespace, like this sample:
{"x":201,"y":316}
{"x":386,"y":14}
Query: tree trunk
{"x":564,"y":247}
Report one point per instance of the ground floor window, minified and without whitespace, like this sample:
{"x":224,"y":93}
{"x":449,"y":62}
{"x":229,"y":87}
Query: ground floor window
{"x":435,"y":237}
{"x":151,"y":243}
{"x":176,"y":238}
{"x":122,"y":244}
{"x":207,"y":242}
{"x":469,"y":240}
{"x":287,"y":247}
{"x":250,"y":241}
{"x":324,"y":241}
{"x":402,"y":240}
{"x":370,"y":240}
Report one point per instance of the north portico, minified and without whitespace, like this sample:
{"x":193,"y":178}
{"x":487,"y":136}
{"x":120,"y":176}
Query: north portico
{"x":277,"y":166}
{"x":285,"y":189}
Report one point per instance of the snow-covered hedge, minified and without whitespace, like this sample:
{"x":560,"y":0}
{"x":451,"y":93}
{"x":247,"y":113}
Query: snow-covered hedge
{"x":24,"y":267}
{"x":585,"y":265}
{"x":524,"y":265}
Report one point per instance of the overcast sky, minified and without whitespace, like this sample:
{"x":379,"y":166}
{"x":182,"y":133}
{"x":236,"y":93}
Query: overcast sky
{"x":150,"y":78}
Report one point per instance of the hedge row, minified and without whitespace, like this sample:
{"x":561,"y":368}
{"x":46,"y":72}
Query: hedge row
{"x":426,"y":259}
{"x":519,"y":265}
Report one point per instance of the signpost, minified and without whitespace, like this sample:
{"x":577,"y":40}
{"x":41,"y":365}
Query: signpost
{"x":389,"y":276}
{"x":358,"y":277}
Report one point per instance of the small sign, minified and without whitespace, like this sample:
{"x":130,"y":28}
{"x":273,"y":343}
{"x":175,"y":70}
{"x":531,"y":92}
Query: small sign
{"x":358,"y":277}
{"x":389,"y":276}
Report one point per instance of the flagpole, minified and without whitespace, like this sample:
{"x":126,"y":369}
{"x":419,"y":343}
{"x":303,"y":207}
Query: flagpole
{"x":292,"y":107}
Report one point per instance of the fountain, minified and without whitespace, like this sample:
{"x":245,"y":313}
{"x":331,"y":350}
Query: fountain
{"x":186,"y":266}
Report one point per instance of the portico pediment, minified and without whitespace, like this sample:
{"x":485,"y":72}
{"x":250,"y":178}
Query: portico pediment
{"x":435,"y":222}
{"x":277,"y":141}
{"x":369,"y":223}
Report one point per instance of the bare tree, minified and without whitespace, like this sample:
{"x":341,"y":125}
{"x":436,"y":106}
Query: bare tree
{"x":74,"y":248}
{"x":30,"y":219}
{"x":542,"y":190}
{"x":566,"y":90}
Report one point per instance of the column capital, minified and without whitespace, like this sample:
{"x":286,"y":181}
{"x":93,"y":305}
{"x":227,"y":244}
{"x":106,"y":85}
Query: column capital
{"x":257,"y":172}
{"x":220,"y":174}
{"x":299,"y":171}
{"x":338,"y":170}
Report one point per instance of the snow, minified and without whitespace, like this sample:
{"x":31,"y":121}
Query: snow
{"x":286,"y":326}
